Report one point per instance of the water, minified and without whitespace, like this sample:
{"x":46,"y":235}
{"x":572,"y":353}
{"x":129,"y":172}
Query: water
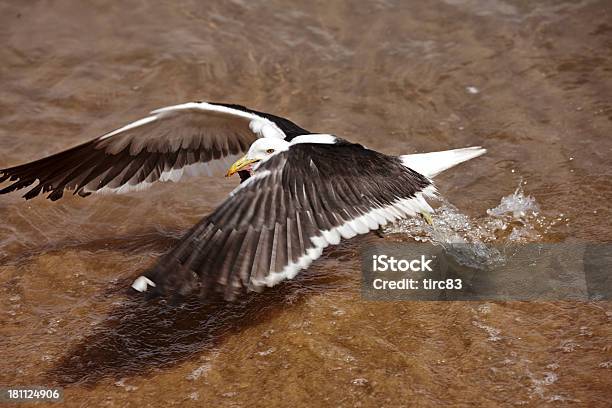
{"x":530,"y":81}
{"x":469,"y":240}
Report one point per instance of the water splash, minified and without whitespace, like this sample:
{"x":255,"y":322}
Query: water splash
{"x":516,"y":219}
{"x":517,"y":204}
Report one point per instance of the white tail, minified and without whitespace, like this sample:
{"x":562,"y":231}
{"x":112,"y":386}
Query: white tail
{"x":434,"y":163}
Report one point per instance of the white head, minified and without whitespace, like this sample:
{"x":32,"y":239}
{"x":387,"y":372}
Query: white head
{"x":260,"y":151}
{"x":263,"y":148}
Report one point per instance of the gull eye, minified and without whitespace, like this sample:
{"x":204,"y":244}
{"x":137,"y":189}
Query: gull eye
{"x":270,"y":151}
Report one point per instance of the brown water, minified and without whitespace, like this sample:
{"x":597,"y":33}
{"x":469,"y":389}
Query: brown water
{"x":392,"y":75}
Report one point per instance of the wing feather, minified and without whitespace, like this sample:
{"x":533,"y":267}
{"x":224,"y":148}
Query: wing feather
{"x":156,"y":148}
{"x":301,"y":201}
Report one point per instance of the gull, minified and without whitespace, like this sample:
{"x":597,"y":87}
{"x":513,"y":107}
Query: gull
{"x":300,"y":192}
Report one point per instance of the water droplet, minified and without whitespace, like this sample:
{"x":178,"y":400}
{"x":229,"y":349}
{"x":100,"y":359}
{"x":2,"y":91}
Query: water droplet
{"x":360,"y":382}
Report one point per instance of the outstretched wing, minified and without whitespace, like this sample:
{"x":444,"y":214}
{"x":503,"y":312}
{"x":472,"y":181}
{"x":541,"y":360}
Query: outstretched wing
{"x":188,"y":139}
{"x":280,"y":220}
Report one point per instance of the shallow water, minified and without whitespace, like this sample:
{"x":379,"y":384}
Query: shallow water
{"x":530,"y":81}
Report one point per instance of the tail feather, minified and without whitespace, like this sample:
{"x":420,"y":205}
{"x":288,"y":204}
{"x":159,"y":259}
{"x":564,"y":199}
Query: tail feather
{"x":434,"y":163}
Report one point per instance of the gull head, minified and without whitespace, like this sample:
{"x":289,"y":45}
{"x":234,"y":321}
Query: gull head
{"x":260,"y":151}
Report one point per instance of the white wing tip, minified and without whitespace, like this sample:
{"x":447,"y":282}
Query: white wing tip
{"x":142,"y":283}
{"x":479,"y":150}
{"x":433,"y":163}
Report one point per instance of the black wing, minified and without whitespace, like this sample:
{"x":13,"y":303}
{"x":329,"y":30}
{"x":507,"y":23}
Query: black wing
{"x":297,"y":203}
{"x":189,"y":139}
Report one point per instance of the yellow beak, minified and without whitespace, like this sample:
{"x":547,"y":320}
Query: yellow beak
{"x":239,"y":165}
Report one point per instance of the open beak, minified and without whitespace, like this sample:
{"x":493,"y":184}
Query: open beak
{"x":239,"y":165}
